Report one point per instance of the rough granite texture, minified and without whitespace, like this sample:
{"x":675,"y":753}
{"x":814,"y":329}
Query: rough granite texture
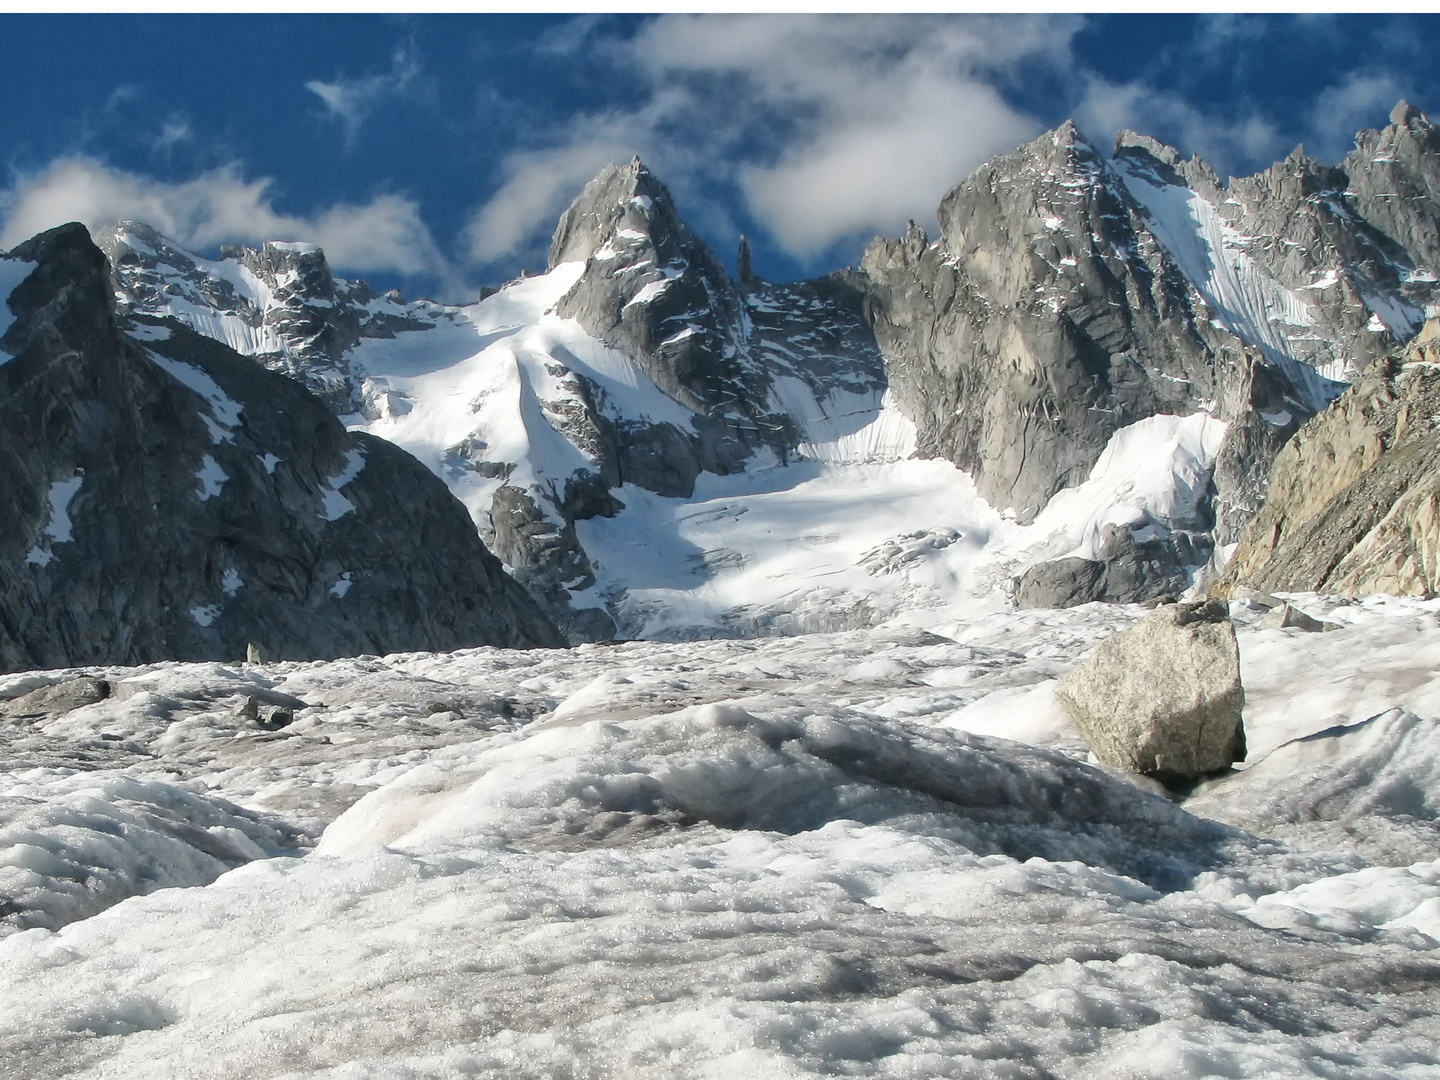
{"x":167,"y":498}
{"x":1354,"y":503}
{"x":1045,"y":318}
{"x":1163,"y":698}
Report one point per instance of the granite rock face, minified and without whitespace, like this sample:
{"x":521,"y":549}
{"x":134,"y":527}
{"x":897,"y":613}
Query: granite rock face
{"x":1069,"y":294}
{"x":1354,"y":502}
{"x":1044,"y":318}
{"x":653,"y":290}
{"x":1131,"y":569}
{"x":1163,"y":698}
{"x":167,"y":498}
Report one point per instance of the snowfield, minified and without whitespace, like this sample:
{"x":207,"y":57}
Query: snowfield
{"x":874,"y":852}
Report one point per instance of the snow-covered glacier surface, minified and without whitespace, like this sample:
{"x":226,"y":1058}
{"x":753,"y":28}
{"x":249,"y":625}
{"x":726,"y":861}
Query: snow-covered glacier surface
{"x":874,"y":852}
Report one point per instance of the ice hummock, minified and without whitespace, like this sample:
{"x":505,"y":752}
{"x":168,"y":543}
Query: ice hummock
{"x":782,"y":857}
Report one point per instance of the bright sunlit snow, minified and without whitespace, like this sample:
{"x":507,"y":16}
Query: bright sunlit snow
{"x":776,"y":857}
{"x":58,"y":527}
{"x":333,"y":505}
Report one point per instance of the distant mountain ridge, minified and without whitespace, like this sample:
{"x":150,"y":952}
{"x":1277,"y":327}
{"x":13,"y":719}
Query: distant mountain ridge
{"x":1070,"y":295}
{"x":167,"y":498}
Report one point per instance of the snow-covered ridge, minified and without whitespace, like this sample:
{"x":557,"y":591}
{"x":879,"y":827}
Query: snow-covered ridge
{"x":846,"y":531}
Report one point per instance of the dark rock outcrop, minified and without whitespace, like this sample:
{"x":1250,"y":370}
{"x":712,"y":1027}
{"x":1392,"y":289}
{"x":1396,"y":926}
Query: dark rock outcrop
{"x":166,"y":498}
{"x":1130,"y":569}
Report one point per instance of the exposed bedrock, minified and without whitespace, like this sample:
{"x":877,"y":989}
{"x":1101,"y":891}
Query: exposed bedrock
{"x":1354,"y":501}
{"x":167,"y":498}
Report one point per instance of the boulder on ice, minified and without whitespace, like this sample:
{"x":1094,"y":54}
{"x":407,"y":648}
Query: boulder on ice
{"x":1164,"y":697}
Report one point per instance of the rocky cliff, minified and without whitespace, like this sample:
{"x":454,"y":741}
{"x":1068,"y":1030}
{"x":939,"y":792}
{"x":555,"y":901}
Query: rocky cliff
{"x":167,"y":498}
{"x":1071,"y":294}
{"x":1354,"y":499}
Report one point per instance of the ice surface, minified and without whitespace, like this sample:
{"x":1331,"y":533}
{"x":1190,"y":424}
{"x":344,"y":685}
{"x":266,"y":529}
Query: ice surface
{"x":148,"y":332}
{"x":856,"y":531}
{"x":211,"y":478}
{"x":75,"y":843}
{"x":776,"y":857}
{"x":58,"y":527}
{"x":1155,"y":470}
{"x":62,"y":493}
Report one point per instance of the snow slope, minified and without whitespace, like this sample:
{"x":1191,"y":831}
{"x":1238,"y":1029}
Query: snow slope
{"x":1245,"y":299}
{"x":490,"y":384}
{"x":776,"y":858}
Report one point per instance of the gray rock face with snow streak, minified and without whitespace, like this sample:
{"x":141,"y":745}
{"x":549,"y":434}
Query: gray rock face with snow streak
{"x":1069,"y":295}
{"x":1045,"y":318}
{"x":1394,"y":183}
{"x":168,"y":498}
{"x":1163,"y":698}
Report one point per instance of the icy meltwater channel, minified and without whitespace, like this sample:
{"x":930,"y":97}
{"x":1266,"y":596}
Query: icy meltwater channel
{"x":803,"y":856}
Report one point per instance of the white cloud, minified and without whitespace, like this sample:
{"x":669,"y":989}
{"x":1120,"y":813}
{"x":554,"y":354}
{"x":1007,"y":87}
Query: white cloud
{"x":352,"y":100}
{"x":827,"y":125}
{"x":221,"y":206}
{"x":1105,"y":108}
{"x":1241,"y":140}
{"x":1362,"y":100}
{"x":878,"y":165}
{"x":538,"y":185}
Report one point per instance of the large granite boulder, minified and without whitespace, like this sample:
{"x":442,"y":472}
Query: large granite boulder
{"x":1163,"y":698}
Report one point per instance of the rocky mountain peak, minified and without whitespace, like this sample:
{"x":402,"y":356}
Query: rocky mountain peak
{"x":163,"y":497}
{"x":1133,"y":143}
{"x":1408,"y":116}
{"x":66,"y":297}
{"x":290,"y":269}
{"x":654,"y":290}
{"x":624,"y":204}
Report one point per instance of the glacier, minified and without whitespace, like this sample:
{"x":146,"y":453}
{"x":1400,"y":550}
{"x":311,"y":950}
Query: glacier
{"x":778,"y":857}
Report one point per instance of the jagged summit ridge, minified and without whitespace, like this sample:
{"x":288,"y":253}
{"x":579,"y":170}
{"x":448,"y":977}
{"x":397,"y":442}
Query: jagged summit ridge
{"x":279,"y":303}
{"x":1071,"y":298}
{"x":167,"y":498}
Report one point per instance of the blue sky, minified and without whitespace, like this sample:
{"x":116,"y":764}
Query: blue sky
{"x":434,"y":153}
